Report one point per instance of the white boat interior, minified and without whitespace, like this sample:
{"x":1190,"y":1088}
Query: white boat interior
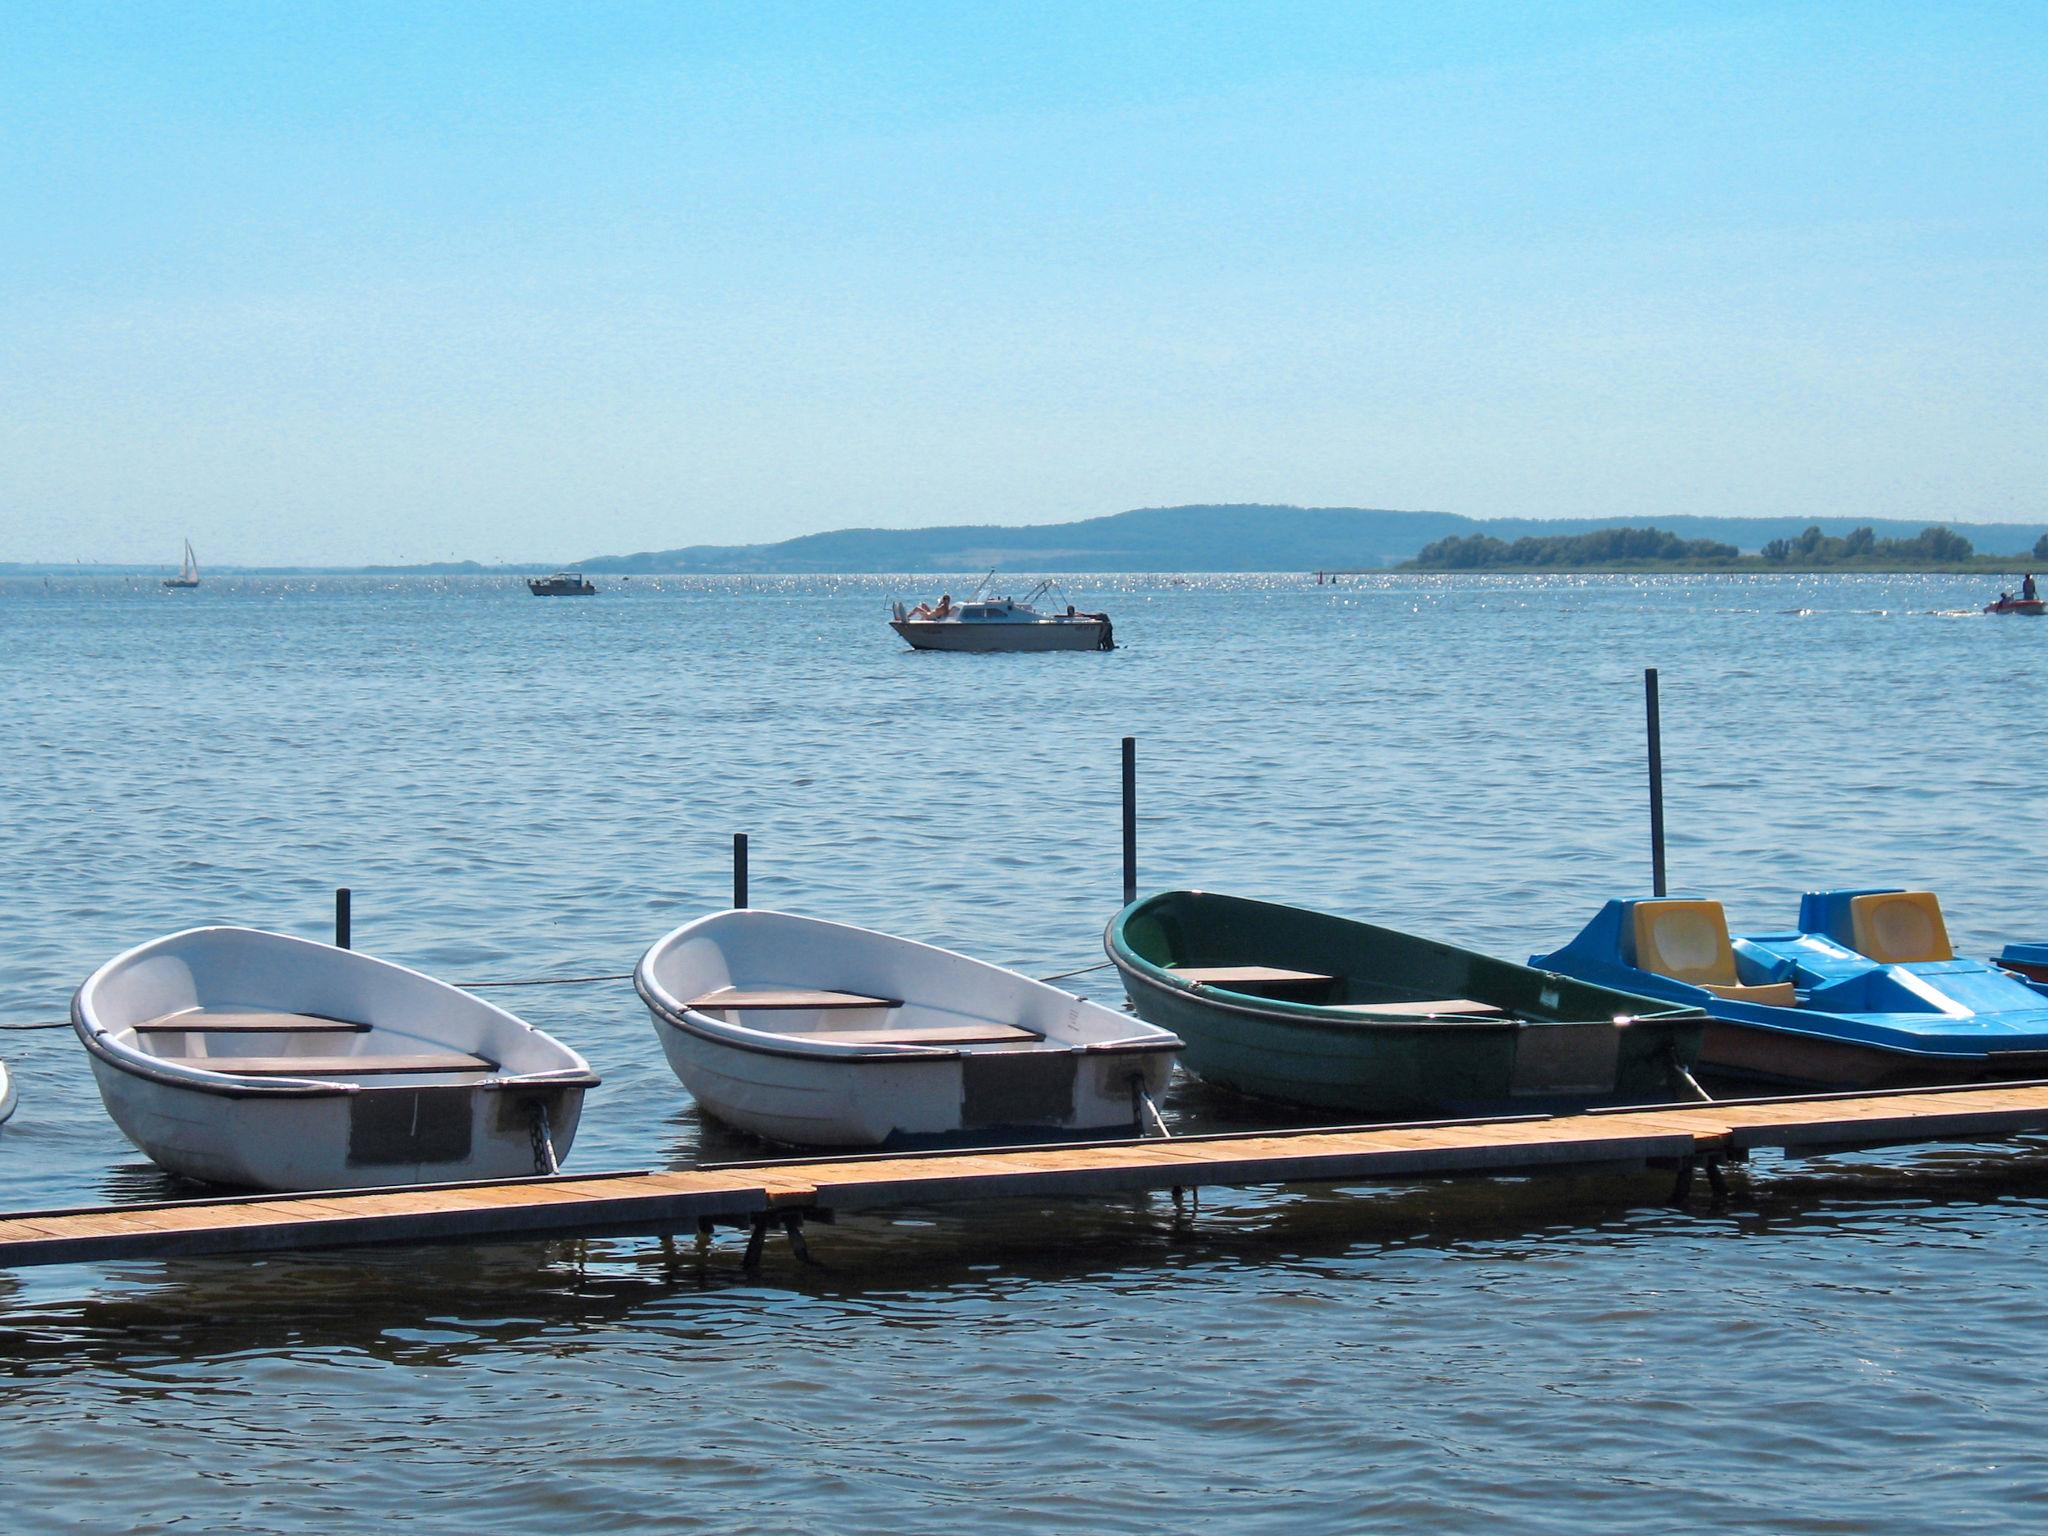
{"x":761,"y":975}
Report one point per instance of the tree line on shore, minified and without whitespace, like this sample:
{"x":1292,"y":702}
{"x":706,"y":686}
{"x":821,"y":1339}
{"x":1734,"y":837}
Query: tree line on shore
{"x":1643,"y":546}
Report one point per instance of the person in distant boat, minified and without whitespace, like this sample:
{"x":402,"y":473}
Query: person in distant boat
{"x":2028,"y":591}
{"x":921,"y":611}
{"x":945,"y":606}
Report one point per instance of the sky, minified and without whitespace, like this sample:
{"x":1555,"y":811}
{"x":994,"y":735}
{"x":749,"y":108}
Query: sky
{"x":363,"y":282}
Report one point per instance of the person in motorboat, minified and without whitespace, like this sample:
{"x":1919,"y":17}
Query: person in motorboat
{"x":945,"y":608}
{"x":2028,"y":591}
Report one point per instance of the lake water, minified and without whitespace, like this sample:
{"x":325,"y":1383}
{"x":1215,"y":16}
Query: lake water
{"x":517,"y":789}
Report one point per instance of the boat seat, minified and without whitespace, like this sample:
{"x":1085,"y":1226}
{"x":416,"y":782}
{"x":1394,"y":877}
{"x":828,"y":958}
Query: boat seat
{"x":1776,"y":994}
{"x":1685,"y":940}
{"x":787,"y":998}
{"x":968,"y":1032}
{"x":1899,"y":927}
{"x":227,"y":1021}
{"x":1267,"y":978}
{"x":335,"y":1066}
{"x":1428,"y":1008}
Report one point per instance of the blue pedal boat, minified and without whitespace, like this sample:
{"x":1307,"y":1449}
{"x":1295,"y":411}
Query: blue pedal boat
{"x":1865,"y":993}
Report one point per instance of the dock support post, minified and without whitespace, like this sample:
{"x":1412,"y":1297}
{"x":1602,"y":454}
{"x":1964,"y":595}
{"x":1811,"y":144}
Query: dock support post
{"x":793,"y":1224}
{"x":756,"y":1240}
{"x":1656,"y":782}
{"x":1682,"y":1187}
{"x":739,"y":869}
{"x":341,"y":917}
{"x":1130,"y":819}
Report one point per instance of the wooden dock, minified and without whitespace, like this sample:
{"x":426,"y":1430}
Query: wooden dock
{"x":760,"y":1194}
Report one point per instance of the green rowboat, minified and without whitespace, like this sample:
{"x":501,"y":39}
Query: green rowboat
{"x":1306,"y":1007}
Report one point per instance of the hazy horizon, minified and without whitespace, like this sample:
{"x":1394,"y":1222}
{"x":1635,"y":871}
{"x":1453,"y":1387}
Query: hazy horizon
{"x":384,"y":284}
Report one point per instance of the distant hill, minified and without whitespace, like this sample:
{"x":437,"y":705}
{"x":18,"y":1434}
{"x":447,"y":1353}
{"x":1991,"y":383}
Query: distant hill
{"x":1220,"y":538}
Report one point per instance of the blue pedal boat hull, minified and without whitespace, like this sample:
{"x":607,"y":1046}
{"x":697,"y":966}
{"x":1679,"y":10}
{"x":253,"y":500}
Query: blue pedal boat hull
{"x":1857,"y":1022}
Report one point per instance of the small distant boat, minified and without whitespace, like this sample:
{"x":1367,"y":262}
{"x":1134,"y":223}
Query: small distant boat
{"x":6,"y":1092}
{"x":561,"y":584}
{"x":820,"y":1034}
{"x":1864,"y":993}
{"x":987,"y":624}
{"x":1309,"y":1008}
{"x":255,"y":1059}
{"x":2027,"y":607}
{"x":188,"y":573}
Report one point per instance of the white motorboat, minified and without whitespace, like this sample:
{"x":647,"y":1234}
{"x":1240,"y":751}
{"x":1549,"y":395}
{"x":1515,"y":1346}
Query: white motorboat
{"x":188,"y":573}
{"x":7,"y":1098}
{"x":819,"y":1034}
{"x":985,"y":624}
{"x":251,"y":1058}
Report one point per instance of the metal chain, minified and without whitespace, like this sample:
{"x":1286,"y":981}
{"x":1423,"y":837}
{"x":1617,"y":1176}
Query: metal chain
{"x":543,"y":1143}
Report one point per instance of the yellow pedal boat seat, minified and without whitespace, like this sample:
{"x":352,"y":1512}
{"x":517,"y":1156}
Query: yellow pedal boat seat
{"x":1899,"y":927}
{"x":1688,"y":941}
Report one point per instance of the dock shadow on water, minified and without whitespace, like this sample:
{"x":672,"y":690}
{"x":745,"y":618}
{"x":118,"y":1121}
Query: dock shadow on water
{"x":441,"y":1303}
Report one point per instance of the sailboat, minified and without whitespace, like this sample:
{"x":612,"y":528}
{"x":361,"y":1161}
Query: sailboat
{"x":188,"y":573}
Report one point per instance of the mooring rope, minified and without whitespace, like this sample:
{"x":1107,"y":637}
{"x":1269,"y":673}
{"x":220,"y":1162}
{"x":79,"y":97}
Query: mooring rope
{"x":1100,"y":965}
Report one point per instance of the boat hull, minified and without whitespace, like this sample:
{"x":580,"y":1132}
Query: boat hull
{"x":375,"y":1136}
{"x":1780,"y":1059}
{"x":1400,"y":1072}
{"x":265,"y":1061}
{"x":901,"y":1102}
{"x":986,"y":639}
{"x":7,"y":1096}
{"x":2019,"y":607}
{"x":837,"y":1036}
{"x":1534,"y":1043}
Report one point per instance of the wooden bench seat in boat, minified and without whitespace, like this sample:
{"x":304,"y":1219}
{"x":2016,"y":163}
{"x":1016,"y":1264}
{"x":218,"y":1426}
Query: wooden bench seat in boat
{"x":1428,"y":1008}
{"x":967,"y":1032}
{"x":1267,"y":978}
{"x":251,"y":1021}
{"x":336,"y":1066}
{"x":787,"y":998}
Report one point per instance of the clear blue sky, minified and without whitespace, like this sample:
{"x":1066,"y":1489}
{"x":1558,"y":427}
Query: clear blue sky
{"x":356,"y":282}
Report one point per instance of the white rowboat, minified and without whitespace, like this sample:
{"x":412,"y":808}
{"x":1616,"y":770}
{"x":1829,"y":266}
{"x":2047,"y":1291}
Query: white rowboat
{"x":820,"y":1034}
{"x":251,"y":1058}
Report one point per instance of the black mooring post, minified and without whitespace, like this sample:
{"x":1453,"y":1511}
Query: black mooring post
{"x":739,"y":869}
{"x":1656,"y":783}
{"x":1130,"y":819}
{"x":341,"y":917}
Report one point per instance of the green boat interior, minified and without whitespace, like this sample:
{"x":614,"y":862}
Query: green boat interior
{"x":1270,"y":953}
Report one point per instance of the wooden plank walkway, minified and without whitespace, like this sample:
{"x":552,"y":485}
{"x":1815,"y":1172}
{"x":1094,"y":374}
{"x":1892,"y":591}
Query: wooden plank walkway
{"x":609,"y":1204}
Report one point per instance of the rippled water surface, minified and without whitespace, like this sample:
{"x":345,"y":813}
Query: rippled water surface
{"x":517,"y":788}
